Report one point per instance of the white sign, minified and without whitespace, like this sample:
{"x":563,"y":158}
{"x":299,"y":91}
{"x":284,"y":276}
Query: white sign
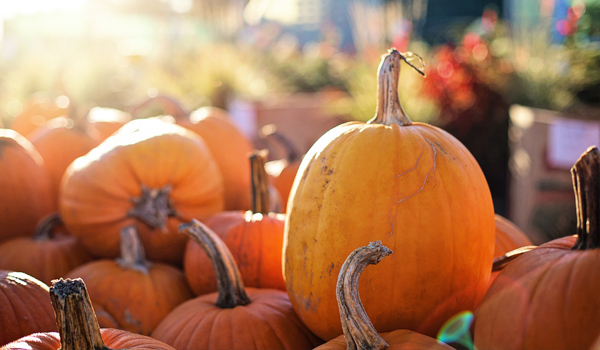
{"x":568,"y":139}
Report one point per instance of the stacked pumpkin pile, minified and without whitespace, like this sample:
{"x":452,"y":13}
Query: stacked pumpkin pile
{"x":167,"y":235}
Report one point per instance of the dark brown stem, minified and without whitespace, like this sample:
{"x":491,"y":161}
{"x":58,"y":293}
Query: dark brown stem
{"x":586,"y":184}
{"x":43,"y":230}
{"x":389,"y":111}
{"x":259,"y":183}
{"x":229,"y":280}
{"x":502,"y":261}
{"x":153,"y":207}
{"x":358,"y":329}
{"x":75,"y":318}
{"x":132,"y":251}
{"x":271,"y":133}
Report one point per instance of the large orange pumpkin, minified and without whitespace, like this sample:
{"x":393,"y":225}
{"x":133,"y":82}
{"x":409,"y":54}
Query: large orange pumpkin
{"x":25,"y":306}
{"x":255,"y":239}
{"x":152,"y":290}
{"x":548,"y":297}
{"x":359,"y":332}
{"x":151,"y":174}
{"x":410,"y":185}
{"x":49,"y":254}
{"x":78,"y":328}
{"x":24,"y":185}
{"x":235,"y":317}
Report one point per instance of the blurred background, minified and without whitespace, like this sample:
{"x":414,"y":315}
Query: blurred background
{"x":517,"y":81}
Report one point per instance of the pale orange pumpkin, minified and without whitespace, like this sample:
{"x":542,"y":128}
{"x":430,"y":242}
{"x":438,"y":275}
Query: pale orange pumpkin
{"x":411,"y":185}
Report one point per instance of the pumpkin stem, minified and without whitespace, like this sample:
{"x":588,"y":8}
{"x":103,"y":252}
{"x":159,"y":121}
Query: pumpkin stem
{"x":75,"y":318}
{"x":43,"y":230}
{"x":229,"y":280}
{"x":271,"y":133}
{"x":358,"y":329}
{"x":586,"y":184}
{"x":153,"y":207}
{"x":389,"y":111}
{"x":133,"y":256}
{"x":260,"y":183}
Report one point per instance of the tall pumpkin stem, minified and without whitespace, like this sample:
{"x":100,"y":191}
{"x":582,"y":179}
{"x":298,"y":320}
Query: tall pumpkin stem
{"x":75,"y":318}
{"x":586,"y":184}
{"x":133,"y":256}
{"x":358,"y":329}
{"x":229,"y":280}
{"x":43,"y":229}
{"x":260,"y":183}
{"x":389,"y":111}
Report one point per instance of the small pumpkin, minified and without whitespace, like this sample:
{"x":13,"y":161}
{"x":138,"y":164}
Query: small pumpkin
{"x":37,"y":110}
{"x":411,"y":185}
{"x":131,"y":291}
{"x":359,"y":332}
{"x":255,"y":239}
{"x":78,"y":328}
{"x":25,"y":306}
{"x":508,"y":236}
{"x":49,"y":254}
{"x":151,"y":174}
{"x":102,"y":122}
{"x":547,"y":297}
{"x":236,"y":317}
{"x":24,"y":184}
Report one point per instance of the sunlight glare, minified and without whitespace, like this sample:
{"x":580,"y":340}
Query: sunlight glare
{"x":10,"y":9}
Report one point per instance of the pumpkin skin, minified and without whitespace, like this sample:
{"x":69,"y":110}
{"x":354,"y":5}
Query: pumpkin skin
{"x":60,"y":142}
{"x":149,"y":159}
{"x":25,"y":306}
{"x":547,"y":298}
{"x":103,"y":122}
{"x":24,"y":184}
{"x":407,"y":186}
{"x":508,"y":236}
{"x":49,"y":254}
{"x":229,"y":147}
{"x":151,"y":292}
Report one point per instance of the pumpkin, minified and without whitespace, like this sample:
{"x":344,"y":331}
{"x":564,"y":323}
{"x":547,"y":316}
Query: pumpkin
{"x":49,"y":254}
{"x":24,"y":184}
{"x":151,"y":174}
{"x":410,"y":185}
{"x":236,"y":317}
{"x":255,"y":239}
{"x":60,"y":141}
{"x":78,"y":327}
{"x":359,"y":332}
{"x":37,"y":110}
{"x":283,"y":171}
{"x":103,"y":122}
{"x":547,"y":298}
{"x":151,"y":290}
{"x":25,"y":306}
{"x":508,"y":236}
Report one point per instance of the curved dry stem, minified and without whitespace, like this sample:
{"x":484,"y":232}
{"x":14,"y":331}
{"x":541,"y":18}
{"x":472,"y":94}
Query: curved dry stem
{"x":133,"y":256}
{"x":502,"y":261}
{"x":586,"y":184}
{"x":270,"y":132}
{"x":43,"y":230}
{"x":229,"y":280}
{"x":389,"y":110}
{"x":75,"y":318}
{"x":259,"y":183}
{"x":358,"y":329}
{"x":153,"y":207}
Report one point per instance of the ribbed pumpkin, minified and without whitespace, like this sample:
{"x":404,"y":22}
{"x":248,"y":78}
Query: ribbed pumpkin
{"x":49,"y":254}
{"x":151,"y":174}
{"x":410,"y":185}
{"x":25,"y":306}
{"x":78,"y":328}
{"x":359,"y":332}
{"x":133,"y":292}
{"x":255,"y":239}
{"x":229,"y":147}
{"x":548,"y":297}
{"x":103,"y":122}
{"x":24,"y":184}
{"x":60,"y":141}
{"x":235,"y":317}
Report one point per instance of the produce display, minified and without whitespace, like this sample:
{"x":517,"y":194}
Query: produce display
{"x":174,"y":231}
